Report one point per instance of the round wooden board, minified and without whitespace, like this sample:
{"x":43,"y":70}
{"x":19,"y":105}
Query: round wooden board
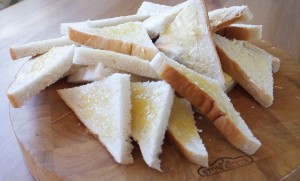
{"x":56,"y":146}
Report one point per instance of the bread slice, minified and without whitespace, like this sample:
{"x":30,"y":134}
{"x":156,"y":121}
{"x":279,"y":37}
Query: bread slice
{"x":132,"y":64}
{"x":152,"y":9}
{"x":242,"y":32}
{"x":157,"y":22}
{"x":229,"y":82}
{"x":104,"y":108}
{"x":207,"y":96}
{"x":151,"y":108}
{"x":162,"y":15}
{"x":97,"y":72}
{"x":38,"y":73}
{"x":102,"y":22}
{"x":221,"y":18}
{"x":88,"y":74}
{"x":117,"y":20}
{"x":190,"y":31}
{"x":249,"y":66}
{"x":129,"y":38}
{"x":38,"y":47}
{"x":183,"y":132}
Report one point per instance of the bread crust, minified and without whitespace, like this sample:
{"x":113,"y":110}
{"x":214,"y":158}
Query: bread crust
{"x":240,"y":33}
{"x":236,"y":72}
{"x":205,"y":104}
{"x":244,"y":16}
{"x":104,"y":43}
{"x":13,"y":54}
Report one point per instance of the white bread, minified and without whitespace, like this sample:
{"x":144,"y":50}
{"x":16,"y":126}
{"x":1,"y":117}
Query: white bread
{"x":128,"y":38}
{"x":92,"y":73}
{"x":229,"y":82}
{"x":162,"y":15}
{"x":157,"y":22}
{"x":242,"y":32}
{"x":102,"y":22}
{"x":132,"y":64}
{"x":116,"y":21}
{"x":38,"y":73}
{"x":249,"y":66}
{"x":183,"y":131}
{"x":87,"y":74}
{"x":221,"y":18}
{"x":152,"y":8}
{"x":104,"y":108}
{"x":38,"y":47}
{"x":207,"y":96}
{"x":190,"y":31}
{"x":151,"y":109}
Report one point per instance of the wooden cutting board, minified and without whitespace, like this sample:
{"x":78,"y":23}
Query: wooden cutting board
{"x":56,"y":146}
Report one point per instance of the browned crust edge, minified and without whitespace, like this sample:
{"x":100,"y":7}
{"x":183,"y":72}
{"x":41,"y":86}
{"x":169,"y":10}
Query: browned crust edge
{"x":242,"y":15}
{"x":205,"y":104}
{"x":13,"y":54}
{"x":13,"y":101}
{"x":236,"y":72}
{"x":235,"y":33}
{"x":104,"y":43}
{"x":225,"y":23}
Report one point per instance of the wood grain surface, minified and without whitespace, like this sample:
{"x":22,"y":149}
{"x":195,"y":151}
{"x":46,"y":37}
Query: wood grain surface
{"x":56,"y":146}
{"x":32,"y":20}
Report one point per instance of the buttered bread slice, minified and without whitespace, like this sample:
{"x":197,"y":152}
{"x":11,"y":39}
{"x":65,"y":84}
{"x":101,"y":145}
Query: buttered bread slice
{"x":209,"y":98}
{"x":250,"y":66}
{"x":190,"y":31}
{"x":221,"y":18}
{"x":128,"y":38}
{"x":38,"y":73}
{"x":132,"y":64}
{"x":104,"y":108}
{"x":151,"y":108}
{"x":183,"y":132}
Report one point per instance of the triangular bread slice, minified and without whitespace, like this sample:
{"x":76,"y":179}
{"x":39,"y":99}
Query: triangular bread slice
{"x":97,"y":72}
{"x":128,"y":38}
{"x":250,"y":66}
{"x":102,"y":22}
{"x":162,"y":15}
{"x":190,"y":31}
{"x":38,"y":47}
{"x":104,"y":108}
{"x":242,"y":32}
{"x":157,"y":22}
{"x":221,"y":18}
{"x":151,"y":109}
{"x":183,"y":131}
{"x":131,"y":64}
{"x":151,"y":8}
{"x":209,"y":98}
{"x":38,"y":73}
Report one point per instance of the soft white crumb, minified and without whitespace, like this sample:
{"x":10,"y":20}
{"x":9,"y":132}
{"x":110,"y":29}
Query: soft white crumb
{"x":252,"y":107}
{"x":199,"y":130}
{"x":298,"y":97}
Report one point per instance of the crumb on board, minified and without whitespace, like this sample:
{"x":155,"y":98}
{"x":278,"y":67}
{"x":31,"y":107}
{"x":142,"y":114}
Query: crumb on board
{"x":252,"y":107}
{"x":199,"y":130}
{"x":277,"y":87}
